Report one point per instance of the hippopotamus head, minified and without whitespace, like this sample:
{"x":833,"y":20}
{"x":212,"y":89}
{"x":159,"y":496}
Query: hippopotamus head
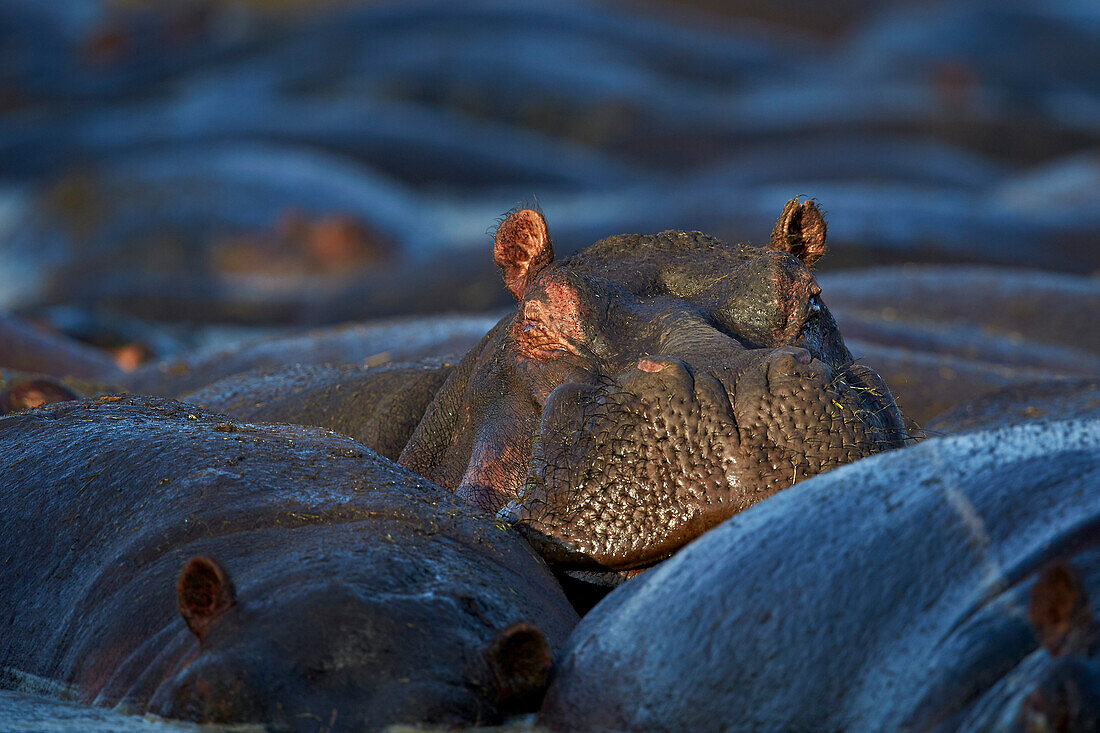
{"x":322,"y":653}
{"x":648,"y":388}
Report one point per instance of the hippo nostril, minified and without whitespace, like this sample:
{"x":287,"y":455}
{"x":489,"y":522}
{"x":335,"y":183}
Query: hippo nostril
{"x":788,"y":358}
{"x":802,"y":356}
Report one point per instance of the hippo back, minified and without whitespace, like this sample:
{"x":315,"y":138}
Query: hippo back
{"x":107,"y":500}
{"x":886,"y":593}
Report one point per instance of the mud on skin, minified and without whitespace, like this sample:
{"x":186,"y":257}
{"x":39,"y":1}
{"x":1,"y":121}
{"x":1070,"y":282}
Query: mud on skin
{"x":648,"y":388}
{"x":320,"y":587}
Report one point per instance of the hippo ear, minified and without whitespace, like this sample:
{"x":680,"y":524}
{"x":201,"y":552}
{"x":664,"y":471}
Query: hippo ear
{"x":1059,"y":611}
{"x":522,"y":248}
{"x":33,"y":394}
{"x":520,"y":661}
{"x":204,"y":593}
{"x":800,"y":230}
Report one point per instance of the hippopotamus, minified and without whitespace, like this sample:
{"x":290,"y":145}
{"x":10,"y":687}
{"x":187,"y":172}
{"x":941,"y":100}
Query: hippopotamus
{"x":380,"y":406}
{"x":165,"y":559}
{"x":952,"y":585}
{"x":25,"y":348}
{"x":719,"y":365}
{"x":27,"y":393}
{"x":375,"y":343}
{"x":647,"y":388}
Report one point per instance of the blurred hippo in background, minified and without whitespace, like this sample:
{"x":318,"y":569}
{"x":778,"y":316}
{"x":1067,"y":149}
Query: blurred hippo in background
{"x":949,"y":586}
{"x":168,"y":560}
{"x":1043,"y":401}
{"x":26,"y":348}
{"x":943,"y":336}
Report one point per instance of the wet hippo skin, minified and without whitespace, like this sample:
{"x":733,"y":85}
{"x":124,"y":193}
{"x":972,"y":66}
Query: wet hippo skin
{"x":941,"y":336}
{"x":169,"y":560}
{"x":949,"y":586}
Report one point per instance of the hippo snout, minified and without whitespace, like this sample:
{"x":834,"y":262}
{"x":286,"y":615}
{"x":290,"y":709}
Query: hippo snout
{"x":626,"y":471}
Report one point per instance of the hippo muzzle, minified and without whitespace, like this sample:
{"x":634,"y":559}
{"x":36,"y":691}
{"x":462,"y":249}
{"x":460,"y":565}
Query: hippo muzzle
{"x":626,"y":471}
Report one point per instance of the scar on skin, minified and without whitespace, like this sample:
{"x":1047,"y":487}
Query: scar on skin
{"x":648,"y":365}
{"x":979,"y":538}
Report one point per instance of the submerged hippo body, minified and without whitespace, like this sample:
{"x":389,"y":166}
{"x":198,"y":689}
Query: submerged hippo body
{"x":378,"y":406}
{"x":649,"y":387}
{"x":950,"y":586}
{"x":321,"y":586}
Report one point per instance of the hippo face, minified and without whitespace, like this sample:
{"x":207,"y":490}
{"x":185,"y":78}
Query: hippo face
{"x":329,"y":655}
{"x":650,"y":387}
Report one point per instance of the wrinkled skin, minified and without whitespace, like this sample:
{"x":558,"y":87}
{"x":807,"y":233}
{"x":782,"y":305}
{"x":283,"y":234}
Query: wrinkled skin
{"x":951,"y":586}
{"x":322,"y":588}
{"x":648,"y":388}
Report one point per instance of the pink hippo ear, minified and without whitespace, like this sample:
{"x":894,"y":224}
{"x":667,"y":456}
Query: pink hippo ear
{"x":204,"y":593}
{"x":522,"y":249}
{"x":800,"y":230}
{"x":1059,"y":610}
{"x":520,"y":661}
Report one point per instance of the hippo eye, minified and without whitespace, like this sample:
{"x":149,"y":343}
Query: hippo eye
{"x":813,"y":311}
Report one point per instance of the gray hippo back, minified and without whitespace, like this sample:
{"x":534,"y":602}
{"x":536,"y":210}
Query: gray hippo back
{"x":322,"y":587}
{"x":899,"y":592}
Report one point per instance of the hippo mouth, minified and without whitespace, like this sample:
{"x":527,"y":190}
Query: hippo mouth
{"x":626,"y":472}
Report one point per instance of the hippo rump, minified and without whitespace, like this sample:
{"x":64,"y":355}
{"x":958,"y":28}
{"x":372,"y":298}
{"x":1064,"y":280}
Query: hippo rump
{"x":949,"y":586}
{"x":163,"y":559}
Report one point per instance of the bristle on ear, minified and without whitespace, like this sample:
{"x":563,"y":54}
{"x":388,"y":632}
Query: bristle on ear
{"x":522,"y":249}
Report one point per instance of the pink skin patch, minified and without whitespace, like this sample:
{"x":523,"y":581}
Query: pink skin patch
{"x":648,"y":365}
{"x":488,"y":482}
{"x":550,"y":322}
